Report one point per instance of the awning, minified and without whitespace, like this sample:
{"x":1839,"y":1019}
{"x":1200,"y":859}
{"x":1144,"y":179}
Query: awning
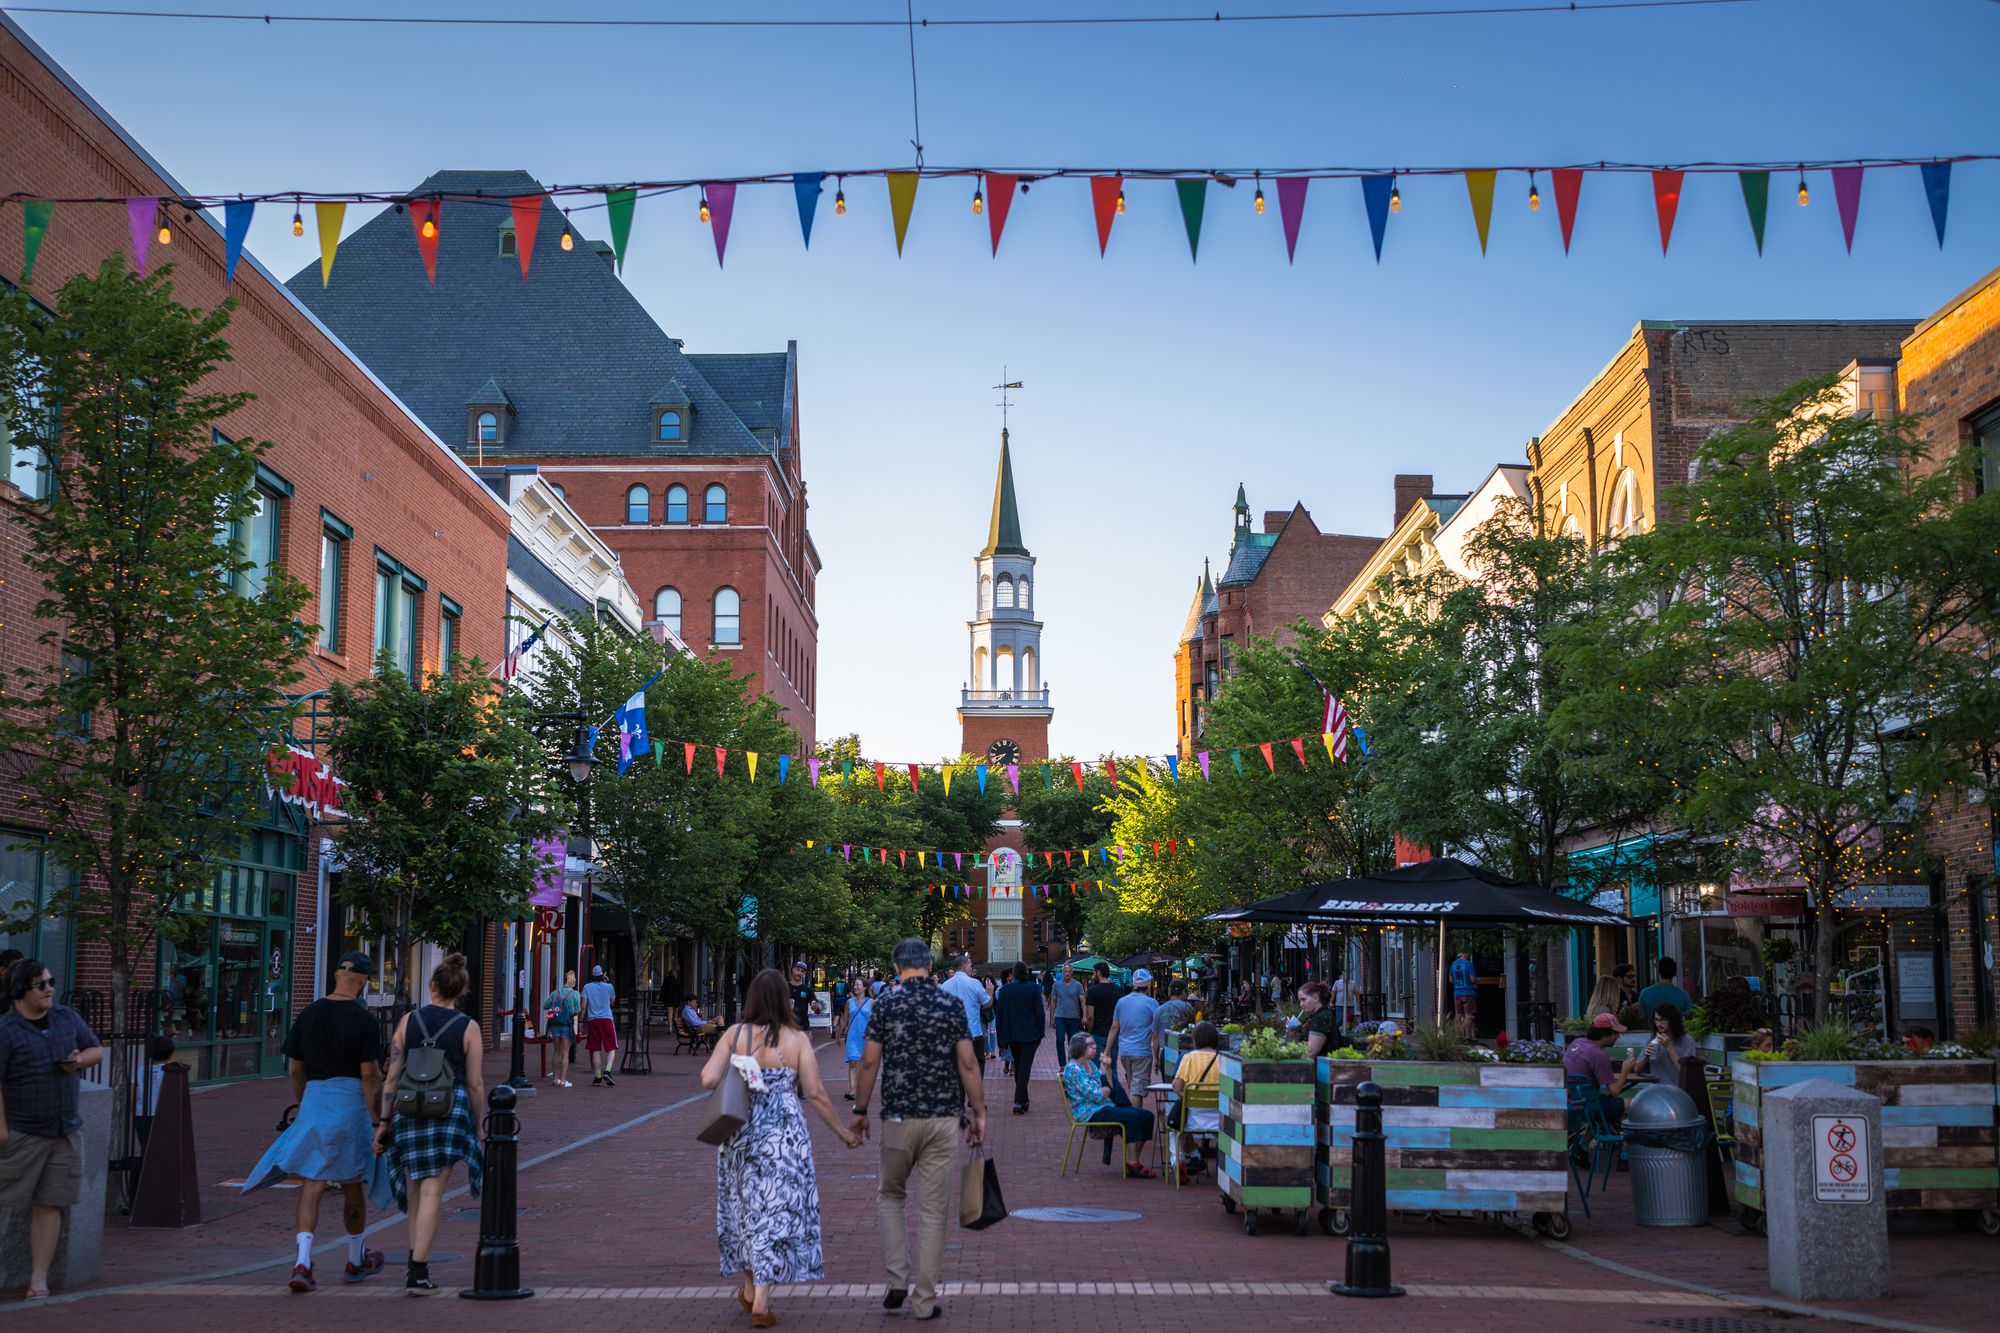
{"x":1446,"y":890}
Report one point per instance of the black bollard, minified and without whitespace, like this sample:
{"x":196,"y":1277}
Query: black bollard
{"x":496,"y":1268}
{"x":1368,"y":1240}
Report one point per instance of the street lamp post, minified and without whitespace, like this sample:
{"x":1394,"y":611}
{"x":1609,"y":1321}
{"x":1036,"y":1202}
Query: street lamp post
{"x":580,"y":762}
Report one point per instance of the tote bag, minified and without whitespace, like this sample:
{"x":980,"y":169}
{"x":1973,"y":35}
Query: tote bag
{"x":979,"y":1201}
{"x":727,"y":1109}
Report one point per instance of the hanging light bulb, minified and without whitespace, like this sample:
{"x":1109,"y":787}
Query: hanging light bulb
{"x":431,"y":227}
{"x":1534,"y":195}
{"x":1257,"y":204}
{"x":568,"y":240}
{"x":1395,"y":199}
{"x":1121,"y":201}
{"x":703,"y":215}
{"x":166,"y":236}
{"x":839,"y":200}
{"x":978,"y":200}
{"x":1805,"y":196}
{"x":298,"y":223}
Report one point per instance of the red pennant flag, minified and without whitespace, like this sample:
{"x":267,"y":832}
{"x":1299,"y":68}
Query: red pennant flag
{"x":880,"y":769}
{"x":527,"y":217}
{"x":422,"y":211}
{"x":913,"y":779}
{"x":1156,"y":849}
{"x":1105,"y":192}
{"x":1299,"y":749}
{"x":1002,"y":190}
{"x":1077,"y":769}
{"x":902,"y":858}
{"x":1170,"y":847}
{"x":1111,"y":770}
{"x":721,"y":755}
{"x":1569,"y":181}
{"x":1666,"y":202}
{"x":1269,"y":762}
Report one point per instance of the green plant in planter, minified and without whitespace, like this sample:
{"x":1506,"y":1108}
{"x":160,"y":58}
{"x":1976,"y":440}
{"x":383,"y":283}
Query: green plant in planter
{"x":1727,"y":1011}
{"x":1435,"y":1041}
{"x":1573,"y":1027}
{"x":1268,"y":1045}
{"x":1834,"y":1039}
{"x":1347,"y":1053}
{"x":1233,"y":1029}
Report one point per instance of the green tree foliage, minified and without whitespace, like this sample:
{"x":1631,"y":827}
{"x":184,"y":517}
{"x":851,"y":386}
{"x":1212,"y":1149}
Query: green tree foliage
{"x":1058,"y":814}
{"x":144,"y":751}
{"x":446,"y":784}
{"x":1785,"y":656}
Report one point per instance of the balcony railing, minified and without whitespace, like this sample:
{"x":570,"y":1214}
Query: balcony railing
{"x":1031,"y":698}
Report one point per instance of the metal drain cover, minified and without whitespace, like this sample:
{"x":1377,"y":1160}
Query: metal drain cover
{"x":1714,"y":1324}
{"x":1075,"y":1215}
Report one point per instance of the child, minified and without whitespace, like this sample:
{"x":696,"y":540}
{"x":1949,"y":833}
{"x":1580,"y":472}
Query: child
{"x":146,"y":1080}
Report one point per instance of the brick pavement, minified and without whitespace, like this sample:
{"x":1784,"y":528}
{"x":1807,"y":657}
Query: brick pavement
{"x":617,"y":1225}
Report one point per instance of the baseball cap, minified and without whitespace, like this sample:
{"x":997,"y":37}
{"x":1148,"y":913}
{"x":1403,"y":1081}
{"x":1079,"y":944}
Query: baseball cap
{"x":1607,"y":1020}
{"x":597,"y":970}
{"x":358,"y":962}
{"x":1141,"y":977}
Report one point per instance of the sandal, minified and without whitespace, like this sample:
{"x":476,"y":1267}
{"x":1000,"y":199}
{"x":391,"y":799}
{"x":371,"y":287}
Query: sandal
{"x":1140,"y":1171}
{"x":744,"y":1301}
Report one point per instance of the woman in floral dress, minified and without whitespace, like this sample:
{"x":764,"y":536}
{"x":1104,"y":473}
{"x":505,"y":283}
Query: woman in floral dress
{"x":766,"y":1194}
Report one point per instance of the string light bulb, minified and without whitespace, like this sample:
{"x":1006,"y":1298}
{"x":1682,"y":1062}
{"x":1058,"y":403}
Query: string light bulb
{"x":1534,"y":195}
{"x":568,"y":238}
{"x":978,"y":200}
{"x":1258,"y":203}
{"x":430,"y":227}
{"x":703,"y":214}
{"x":1121,"y":201}
{"x":166,"y":236}
{"x":1805,"y":195}
{"x":1395,"y":199}
{"x":839,"y":200}
{"x":298,"y":223}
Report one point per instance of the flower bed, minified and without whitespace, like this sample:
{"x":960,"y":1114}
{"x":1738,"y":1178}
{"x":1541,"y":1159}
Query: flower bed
{"x":1938,"y":1115}
{"x":1269,"y":1136}
{"x":1478,"y":1136}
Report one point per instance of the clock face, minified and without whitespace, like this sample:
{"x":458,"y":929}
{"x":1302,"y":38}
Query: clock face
{"x":1004,"y":751}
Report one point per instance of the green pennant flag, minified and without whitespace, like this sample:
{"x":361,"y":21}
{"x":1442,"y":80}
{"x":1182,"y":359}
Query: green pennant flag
{"x":1756,"y":199}
{"x":1047,"y":781}
{"x":659,"y":754}
{"x":1236,"y":758}
{"x":846,"y":770}
{"x":1194,"y":194}
{"x":35,"y":214}
{"x":618,"y":208}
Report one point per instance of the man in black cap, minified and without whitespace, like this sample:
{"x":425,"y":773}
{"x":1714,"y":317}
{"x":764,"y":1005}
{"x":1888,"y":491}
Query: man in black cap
{"x":335,"y":1049}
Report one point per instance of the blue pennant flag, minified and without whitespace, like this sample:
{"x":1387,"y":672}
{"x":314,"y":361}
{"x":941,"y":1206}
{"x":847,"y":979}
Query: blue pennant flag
{"x":784,"y":767}
{"x":632,"y":741}
{"x":982,"y":779}
{"x":1174,"y":767}
{"x":1375,"y":191}
{"x":235,"y":226}
{"x":1937,"y":189}
{"x":1361,"y":737}
{"x":806,"y":184}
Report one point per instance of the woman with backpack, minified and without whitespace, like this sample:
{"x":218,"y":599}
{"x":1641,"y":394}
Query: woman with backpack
{"x":559,"y":1025}
{"x":430,"y":1095}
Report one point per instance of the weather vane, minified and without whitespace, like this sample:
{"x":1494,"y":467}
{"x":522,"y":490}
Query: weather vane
{"x":1004,"y":403}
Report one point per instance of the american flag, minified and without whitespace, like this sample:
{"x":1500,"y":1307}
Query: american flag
{"x":1334,"y":724}
{"x":511,"y":665}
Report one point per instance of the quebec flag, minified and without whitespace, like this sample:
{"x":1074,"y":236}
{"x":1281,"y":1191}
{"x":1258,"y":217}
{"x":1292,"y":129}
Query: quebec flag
{"x":632,"y":740}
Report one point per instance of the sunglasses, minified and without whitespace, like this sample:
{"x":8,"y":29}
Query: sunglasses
{"x":44,"y":984}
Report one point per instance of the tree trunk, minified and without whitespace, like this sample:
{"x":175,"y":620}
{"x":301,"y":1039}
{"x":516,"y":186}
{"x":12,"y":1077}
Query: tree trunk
{"x":1824,"y":931}
{"x":728,"y":980}
{"x":119,"y":1073}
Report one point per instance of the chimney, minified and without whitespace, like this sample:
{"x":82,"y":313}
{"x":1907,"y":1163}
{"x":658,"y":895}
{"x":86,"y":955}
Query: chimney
{"x":1275,"y":519}
{"x":1410,"y":488}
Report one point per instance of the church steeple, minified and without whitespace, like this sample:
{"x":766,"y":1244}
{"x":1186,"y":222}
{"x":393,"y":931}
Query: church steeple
{"x":1003,"y":531}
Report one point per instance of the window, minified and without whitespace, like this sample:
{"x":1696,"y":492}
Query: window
{"x":1986,"y":453}
{"x":333,"y":538}
{"x":75,"y":725}
{"x":22,"y":449}
{"x":509,"y":247}
{"x":561,"y":494}
{"x":1028,"y":680}
{"x":715,"y":504}
{"x":980,"y":680}
{"x":396,"y":592}
{"x":985,"y":592}
{"x":667,"y":608}
{"x":670,"y":426}
{"x":728,"y":616}
{"x":486,"y":428}
{"x":1021,"y":594}
{"x":1003,"y":670}
{"x":261,"y":548}
{"x":32,"y":889}
{"x":677,"y":504}
{"x":449,"y":614}
{"x":1625,"y":509}
{"x":638,"y":505}
{"x":1004,"y":593}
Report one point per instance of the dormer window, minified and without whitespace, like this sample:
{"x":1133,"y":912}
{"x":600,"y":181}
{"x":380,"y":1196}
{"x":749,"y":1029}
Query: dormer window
{"x":671,"y":420}
{"x":509,"y":247}
{"x":486,"y":428}
{"x":486,"y":415}
{"x":670,"y":426}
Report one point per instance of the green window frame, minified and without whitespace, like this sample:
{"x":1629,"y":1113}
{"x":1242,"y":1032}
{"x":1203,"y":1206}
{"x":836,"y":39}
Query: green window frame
{"x":396,"y":602}
{"x":449,"y":616}
{"x":333,"y":539}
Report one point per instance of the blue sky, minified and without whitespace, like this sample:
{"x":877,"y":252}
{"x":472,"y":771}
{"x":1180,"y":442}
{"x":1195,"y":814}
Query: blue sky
{"x":1153,"y":386}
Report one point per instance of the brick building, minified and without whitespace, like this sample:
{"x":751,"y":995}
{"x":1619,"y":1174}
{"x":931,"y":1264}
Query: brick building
{"x":402,"y":545}
{"x":687,"y":465}
{"x":1290,"y":571}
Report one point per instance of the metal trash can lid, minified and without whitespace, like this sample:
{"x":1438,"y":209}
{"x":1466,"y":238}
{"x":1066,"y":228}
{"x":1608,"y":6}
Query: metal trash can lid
{"x":1662,"y":1107}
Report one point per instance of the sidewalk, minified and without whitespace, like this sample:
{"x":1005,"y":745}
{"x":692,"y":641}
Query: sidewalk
{"x":617,"y":1210}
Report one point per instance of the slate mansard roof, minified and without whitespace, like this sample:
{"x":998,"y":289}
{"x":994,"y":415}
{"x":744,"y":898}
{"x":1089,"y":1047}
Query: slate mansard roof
{"x":580,"y":360}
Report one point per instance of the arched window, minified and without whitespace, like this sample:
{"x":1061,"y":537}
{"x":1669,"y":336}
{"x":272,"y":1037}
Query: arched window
{"x":728,"y":616}
{"x":561,"y":494}
{"x":1626,"y":517}
{"x":1028,"y":666}
{"x":985,"y":592}
{"x":980,"y":680}
{"x":1021,"y":594}
{"x":1572,"y":528}
{"x":667,"y":607}
{"x":1003,"y":669}
{"x":677,"y":504}
{"x":715,"y":504}
{"x":1004,"y":593}
{"x":638,"y":505}
{"x":670,"y":426}
{"x":488,"y":428}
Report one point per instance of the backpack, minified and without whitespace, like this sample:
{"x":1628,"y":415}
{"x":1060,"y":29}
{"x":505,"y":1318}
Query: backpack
{"x":426,"y":1088}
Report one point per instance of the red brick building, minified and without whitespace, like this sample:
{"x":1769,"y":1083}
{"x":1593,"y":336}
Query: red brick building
{"x":687,"y":465}
{"x":1288,"y":572}
{"x":389,"y":528}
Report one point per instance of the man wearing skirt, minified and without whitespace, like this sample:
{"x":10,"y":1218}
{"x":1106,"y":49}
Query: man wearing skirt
{"x":335,"y":1049}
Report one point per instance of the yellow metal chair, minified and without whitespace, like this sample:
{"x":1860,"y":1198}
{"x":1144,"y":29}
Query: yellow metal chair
{"x":1192,"y":1100}
{"x":1077,"y":1127}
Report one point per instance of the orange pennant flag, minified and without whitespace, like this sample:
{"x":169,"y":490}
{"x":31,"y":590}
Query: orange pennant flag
{"x":1076,"y":770}
{"x":425,"y":212}
{"x":527,"y":217}
{"x":1299,"y":749}
{"x":913,"y":779}
{"x":690,"y":757}
{"x":1269,"y":762}
{"x":720,"y":755}
{"x":880,"y":770}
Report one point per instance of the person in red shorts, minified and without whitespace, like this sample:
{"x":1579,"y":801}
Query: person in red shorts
{"x":600,"y":1034}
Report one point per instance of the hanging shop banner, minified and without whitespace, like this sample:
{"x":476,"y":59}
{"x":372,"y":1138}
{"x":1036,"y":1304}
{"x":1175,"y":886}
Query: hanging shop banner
{"x":297,"y":777}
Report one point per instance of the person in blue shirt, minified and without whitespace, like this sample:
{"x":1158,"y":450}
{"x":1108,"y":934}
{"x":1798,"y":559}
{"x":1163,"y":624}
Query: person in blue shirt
{"x":1665,"y":991}
{"x":1464,"y":991}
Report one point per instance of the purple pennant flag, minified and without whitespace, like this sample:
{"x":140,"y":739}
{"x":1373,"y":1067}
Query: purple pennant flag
{"x":847,"y":852}
{"x":1014,"y":778}
{"x":1937,"y":189}
{"x":813,"y":764}
{"x":1203,"y":756}
{"x":958,"y":860}
{"x":1292,"y":208}
{"x":1375,"y":191}
{"x":1847,"y":195}
{"x":141,"y":213}
{"x":721,"y":206}
{"x":235,"y":226}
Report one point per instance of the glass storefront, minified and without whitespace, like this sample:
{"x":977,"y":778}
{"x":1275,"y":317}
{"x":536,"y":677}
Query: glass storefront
{"x":28,"y":880}
{"x":226,"y":971}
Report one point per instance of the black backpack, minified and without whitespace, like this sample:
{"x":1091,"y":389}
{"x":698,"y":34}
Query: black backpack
{"x":425,"y":1089}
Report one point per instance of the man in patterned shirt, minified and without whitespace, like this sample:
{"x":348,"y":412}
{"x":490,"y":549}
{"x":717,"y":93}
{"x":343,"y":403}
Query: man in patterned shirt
{"x":919,"y":1041}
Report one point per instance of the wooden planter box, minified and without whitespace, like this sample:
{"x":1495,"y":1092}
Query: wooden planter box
{"x":1460,"y":1137}
{"x":1269,"y":1133}
{"x":1937,"y":1127}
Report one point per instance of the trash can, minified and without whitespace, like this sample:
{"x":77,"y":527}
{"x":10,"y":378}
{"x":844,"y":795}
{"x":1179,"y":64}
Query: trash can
{"x":1665,"y":1136}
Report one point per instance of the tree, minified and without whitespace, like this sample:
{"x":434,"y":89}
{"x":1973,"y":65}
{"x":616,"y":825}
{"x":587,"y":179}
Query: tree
{"x":1789,"y":647}
{"x":143,"y":750}
{"x":446,"y":786}
{"x":1064,"y":815}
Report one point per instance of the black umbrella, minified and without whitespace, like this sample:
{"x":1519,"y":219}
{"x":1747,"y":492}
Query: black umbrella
{"x":1447,"y":890}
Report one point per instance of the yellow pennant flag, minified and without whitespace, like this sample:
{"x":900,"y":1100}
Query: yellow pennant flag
{"x":902,"y":198}
{"x":751,"y":756}
{"x":329,"y":217}
{"x":945,"y":773}
{"x":1479,"y":188}
{"x":1327,"y":736}
{"x":809,"y":843}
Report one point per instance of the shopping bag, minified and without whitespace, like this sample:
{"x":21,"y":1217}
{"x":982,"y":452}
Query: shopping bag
{"x":979,"y":1201}
{"x":727,"y":1109}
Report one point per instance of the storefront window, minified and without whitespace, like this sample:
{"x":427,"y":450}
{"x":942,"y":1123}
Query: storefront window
{"x":30,"y":888}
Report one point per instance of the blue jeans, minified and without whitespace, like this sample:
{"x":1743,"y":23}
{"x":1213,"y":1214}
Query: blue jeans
{"x":1138,"y":1125}
{"x":1065,"y":1029}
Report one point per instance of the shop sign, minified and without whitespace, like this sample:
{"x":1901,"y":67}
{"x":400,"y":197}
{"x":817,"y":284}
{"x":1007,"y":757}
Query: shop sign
{"x":549,"y":918}
{"x":1885,"y":898}
{"x":1767,"y":904}
{"x":746,"y":918}
{"x":298,"y":777}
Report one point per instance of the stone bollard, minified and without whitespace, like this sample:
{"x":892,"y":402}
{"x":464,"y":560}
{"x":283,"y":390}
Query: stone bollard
{"x":1368,"y":1240}
{"x":496,"y":1267}
{"x":1824,"y":1204}
{"x":80,"y":1249}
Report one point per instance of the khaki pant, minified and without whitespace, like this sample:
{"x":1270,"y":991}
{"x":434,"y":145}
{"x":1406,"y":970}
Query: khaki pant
{"x":928,"y":1147}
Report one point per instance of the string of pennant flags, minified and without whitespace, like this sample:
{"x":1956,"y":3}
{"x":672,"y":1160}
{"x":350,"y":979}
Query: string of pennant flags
{"x":151,"y":219}
{"x":1111,"y":854}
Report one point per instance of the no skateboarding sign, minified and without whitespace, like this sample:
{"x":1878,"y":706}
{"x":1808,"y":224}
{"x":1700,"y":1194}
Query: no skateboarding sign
{"x":1840,"y":1160}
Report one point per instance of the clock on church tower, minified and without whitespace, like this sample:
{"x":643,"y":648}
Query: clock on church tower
{"x":1003,"y":712}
